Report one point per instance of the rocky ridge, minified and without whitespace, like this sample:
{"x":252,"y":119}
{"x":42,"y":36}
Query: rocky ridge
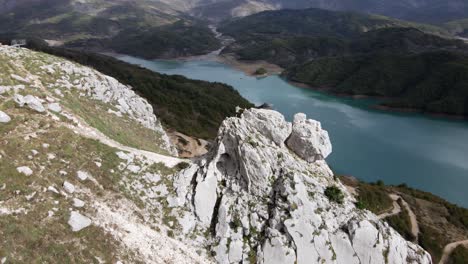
{"x":257,"y":197}
{"x":261,"y":195}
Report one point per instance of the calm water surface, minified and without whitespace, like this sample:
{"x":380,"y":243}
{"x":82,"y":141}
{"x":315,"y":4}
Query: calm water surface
{"x":426,"y":153}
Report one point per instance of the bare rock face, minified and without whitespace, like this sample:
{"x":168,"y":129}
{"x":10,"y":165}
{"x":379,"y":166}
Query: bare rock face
{"x":308,"y":139}
{"x":263,"y":203}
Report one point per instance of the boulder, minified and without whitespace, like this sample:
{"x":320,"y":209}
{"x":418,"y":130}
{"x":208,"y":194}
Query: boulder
{"x":70,"y":188}
{"x":31,"y":101}
{"x":25,"y":170}
{"x":78,"y":221}
{"x":78,"y":203}
{"x":54,"y":107}
{"x":82,"y":175}
{"x":308,"y":139}
{"x":4,"y":118}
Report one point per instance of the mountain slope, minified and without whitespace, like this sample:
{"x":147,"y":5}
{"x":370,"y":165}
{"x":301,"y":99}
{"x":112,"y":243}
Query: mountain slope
{"x":355,"y":54}
{"x":433,"y":82}
{"x":77,"y":187}
{"x":109,"y":26}
{"x":424,"y":11}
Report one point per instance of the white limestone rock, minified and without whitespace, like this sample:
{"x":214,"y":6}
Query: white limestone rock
{"x":78,"y":203}
{"x":205,"y":198}
{"x":53,"y":189}
{"x":82,"y":175}
{"x":78,"y":221}
{"x":308,"y":139}
{"x":54,"y":107}
{"x":271,"y":124}
{"x":250,"y":169}
{"x":4,"y":118}
{"x":70,"y":188}
{"x":25,"y":170}
{"x":30,"y":101}
{"x":134,"y":168}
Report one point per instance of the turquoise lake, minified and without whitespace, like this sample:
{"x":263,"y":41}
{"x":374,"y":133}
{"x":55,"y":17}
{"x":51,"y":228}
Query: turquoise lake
{"x":426,"y":153}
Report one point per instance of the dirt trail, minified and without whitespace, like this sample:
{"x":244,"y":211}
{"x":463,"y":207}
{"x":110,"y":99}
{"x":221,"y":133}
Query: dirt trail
{"x":397,"y":209}
{"x":90,"y":132}
{"x":450,"y":248}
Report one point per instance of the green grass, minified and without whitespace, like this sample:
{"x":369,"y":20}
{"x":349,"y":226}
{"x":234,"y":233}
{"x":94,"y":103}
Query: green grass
{"x":374,"y":198}
{"x":33,"y":237}
{"x":121,"y":129}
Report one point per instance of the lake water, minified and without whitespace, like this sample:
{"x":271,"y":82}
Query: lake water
{"x":426,"y":153}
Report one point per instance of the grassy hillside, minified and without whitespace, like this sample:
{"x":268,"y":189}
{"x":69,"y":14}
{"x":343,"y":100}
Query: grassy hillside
{"x":192,"y":107}
{"x":431,"y":82}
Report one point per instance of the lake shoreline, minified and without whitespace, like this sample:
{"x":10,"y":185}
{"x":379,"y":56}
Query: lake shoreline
{"x":378,"y":106}
{"x":250,"y":67}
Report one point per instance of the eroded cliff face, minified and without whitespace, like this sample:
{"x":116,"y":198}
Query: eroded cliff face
{"x":260,"y":194}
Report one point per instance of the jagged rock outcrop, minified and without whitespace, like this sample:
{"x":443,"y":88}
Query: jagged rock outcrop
{"x":263,"y":200}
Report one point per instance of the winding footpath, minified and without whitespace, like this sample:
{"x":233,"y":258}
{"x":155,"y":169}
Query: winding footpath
{"x":450,"y":248}
{"x":397,"y":209}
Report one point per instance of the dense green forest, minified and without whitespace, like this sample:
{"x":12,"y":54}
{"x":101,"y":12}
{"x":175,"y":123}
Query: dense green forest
{"x":431,"y":82}
{"x":314,"y":22}
{"x":175,"y":40}
{"x":193,"y":107}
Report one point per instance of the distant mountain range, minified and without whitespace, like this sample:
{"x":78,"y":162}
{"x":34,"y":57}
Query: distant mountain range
{"x":426,"y":11}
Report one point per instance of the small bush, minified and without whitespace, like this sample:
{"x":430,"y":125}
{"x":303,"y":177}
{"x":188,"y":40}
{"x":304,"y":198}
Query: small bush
{"x":334,"y":194}
{"x":260,"y":71}
{"x":182,"y":165}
